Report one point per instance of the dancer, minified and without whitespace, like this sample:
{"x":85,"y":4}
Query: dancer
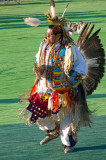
{"x":57,"y":102}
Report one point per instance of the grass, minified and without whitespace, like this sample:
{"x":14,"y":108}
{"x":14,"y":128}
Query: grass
{"x":19,"y":44}
{"x":22,"y":142}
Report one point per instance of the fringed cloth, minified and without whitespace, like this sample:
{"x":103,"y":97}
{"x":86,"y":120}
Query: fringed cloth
{"x":73,"y":102}
{"x":38,"y":106}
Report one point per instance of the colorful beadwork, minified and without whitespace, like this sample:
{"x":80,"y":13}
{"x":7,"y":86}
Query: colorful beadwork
{"x":75,"y":78}
{"x":38,"y":107}
{"x":57,"y":63}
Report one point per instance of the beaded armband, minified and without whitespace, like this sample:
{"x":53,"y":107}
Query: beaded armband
{"x":75,"y":78}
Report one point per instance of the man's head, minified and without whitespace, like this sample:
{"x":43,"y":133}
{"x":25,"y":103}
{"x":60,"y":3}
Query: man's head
{"x":54,"y":34}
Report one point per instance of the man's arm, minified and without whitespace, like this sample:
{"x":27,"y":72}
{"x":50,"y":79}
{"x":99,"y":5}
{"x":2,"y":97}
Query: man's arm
{"x":80,"y":64}
{"x":79,"y":68}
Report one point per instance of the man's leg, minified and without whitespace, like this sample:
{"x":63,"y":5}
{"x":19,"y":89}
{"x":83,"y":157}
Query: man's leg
{"x":47,"y":124}
{"x":66,"y":139}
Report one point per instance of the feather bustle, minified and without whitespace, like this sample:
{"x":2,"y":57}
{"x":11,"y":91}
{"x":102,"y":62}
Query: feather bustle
{"x":93,"y":52}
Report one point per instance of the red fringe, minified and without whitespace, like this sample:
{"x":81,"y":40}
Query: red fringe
{"x":55,"y":99}
{"x":33,"y":90}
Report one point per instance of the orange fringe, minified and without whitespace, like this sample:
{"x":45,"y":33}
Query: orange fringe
{"x":68,"y":100}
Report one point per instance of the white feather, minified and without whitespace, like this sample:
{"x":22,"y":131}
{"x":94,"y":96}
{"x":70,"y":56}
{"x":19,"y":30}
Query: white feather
{"x":80,"y":27}
{"x":92,"y":62}
{"x":34,"y":22}
{"x":52,"y":12}
{"x":50,"y":103}
{"x":71,"y":33}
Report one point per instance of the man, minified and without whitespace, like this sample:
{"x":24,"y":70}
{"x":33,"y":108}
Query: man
{"x":57,"y":101}
{"x":53,"y":53}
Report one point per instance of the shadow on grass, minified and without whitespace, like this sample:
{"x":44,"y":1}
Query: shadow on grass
{"x":18,"y":100}
{"x":37,"y":2}
{"x":9,"y":100}
{"x":25,"y":3}
{"x":11,"y":26}
{"x":97,"y":96}
{"x":90,"y":148}
{"x":9,"y":22}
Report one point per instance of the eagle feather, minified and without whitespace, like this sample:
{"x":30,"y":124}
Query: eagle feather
{"x":52,"y":9}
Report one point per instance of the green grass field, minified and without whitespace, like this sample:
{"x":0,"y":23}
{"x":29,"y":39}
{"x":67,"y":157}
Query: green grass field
{"x":19,"y":44}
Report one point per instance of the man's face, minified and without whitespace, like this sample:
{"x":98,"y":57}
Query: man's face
{"x":52,"y":38}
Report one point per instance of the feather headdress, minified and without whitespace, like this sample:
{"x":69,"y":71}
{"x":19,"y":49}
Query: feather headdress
{"x":53,"y":19}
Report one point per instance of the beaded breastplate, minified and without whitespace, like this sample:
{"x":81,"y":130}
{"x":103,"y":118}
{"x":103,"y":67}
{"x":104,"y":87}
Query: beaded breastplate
{"x":54,"y":67}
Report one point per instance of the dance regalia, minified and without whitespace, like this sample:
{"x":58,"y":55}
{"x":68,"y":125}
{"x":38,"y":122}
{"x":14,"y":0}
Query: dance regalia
{"x":80,"y":63}
{"x":56,"y":78}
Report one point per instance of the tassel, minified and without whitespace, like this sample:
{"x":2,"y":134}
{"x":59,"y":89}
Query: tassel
{"x":68,"y":100}
{"x":55,"y":99}
{"x":50,"y":105}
